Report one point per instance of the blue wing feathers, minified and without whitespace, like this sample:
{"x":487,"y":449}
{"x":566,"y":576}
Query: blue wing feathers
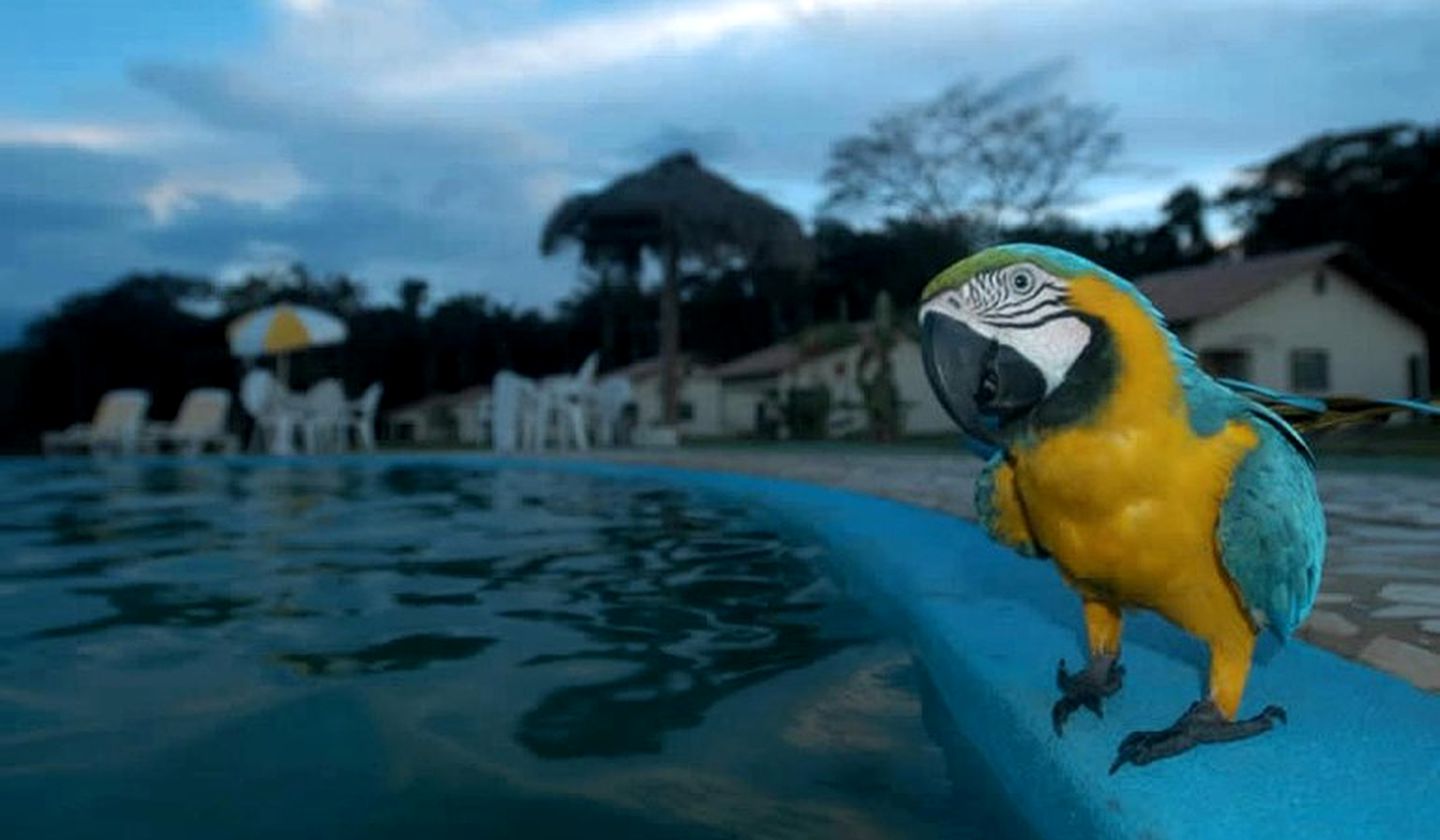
{"x":1272,"y":531}
{"x":987,"y":509}
{"x":1296,"y":400}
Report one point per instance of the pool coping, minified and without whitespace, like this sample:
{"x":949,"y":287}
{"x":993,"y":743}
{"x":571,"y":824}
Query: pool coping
{"x":1360,"y":756}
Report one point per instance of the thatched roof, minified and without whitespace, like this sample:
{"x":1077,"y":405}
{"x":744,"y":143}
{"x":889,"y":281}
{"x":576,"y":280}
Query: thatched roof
{"x":678,"y":200}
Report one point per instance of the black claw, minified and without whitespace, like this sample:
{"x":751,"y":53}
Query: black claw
{"x":1086,"y":689}
{"x":1202,"y":723}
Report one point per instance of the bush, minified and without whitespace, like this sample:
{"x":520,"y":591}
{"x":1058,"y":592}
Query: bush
{"x":807,"y":412}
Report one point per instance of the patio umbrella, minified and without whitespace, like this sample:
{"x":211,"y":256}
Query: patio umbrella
{"x":283,"y":329}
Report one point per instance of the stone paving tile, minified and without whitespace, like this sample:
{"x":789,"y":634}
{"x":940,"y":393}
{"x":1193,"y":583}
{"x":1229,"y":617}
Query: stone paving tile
{"x":1411,"y":593}
{"x":1415,"y":664}
{"x":1330,"y":623}
{"x":1382,"y":568}
{"x":1407,"y":611}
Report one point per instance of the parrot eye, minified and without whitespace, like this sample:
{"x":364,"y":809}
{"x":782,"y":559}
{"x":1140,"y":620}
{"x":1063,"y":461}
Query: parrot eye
{"x":1021,"y":281}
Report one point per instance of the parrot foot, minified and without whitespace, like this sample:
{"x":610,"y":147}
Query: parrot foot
{"x":1100,"y":679}
{"x":1202,"y":723}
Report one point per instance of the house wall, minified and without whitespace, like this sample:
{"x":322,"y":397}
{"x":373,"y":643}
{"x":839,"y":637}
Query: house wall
{"x":471,"y":428}
{"x":406,"y":426}
{"x":739,"y":399}
{"x":924,"y":415}
{"x":700,"y":390}
{"x":836,"y":370}
{"x":1369,"y":344}
{"x":424,"y":425}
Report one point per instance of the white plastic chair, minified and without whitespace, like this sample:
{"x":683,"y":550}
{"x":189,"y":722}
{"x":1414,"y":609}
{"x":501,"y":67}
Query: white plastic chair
{"x":612,"y":394}
{"x":565,"y":405}
{"x":485,"y":420}
{"x":200,"y":422}
{"x":326,"y":416}
{"x":116,"y":427}
{"x":514,"y":405}
{"x":360,"y":417}
{"x":273,"y":408}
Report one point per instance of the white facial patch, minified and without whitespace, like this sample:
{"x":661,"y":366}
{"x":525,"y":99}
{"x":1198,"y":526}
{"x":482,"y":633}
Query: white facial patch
{"x":1053,"y":347}
{"x":1031,"y":318}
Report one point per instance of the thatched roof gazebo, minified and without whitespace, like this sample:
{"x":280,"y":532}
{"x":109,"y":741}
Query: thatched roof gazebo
{"x":678,"y":210}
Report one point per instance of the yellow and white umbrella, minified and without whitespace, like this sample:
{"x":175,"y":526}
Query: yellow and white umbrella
{"x":283,"y":328}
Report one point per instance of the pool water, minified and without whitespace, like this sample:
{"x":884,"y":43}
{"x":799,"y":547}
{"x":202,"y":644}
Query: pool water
{"x":390,"y":647}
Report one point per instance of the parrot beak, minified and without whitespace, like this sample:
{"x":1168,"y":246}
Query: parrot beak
{"x":979,"y":382}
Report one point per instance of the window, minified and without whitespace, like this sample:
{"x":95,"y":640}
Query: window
{"x":1309,"y":370}
{"x":687,"y":411}
{"x":1226,"y":362}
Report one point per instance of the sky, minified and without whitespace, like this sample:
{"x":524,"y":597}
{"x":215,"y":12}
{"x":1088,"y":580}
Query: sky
{"x":395,"y":138}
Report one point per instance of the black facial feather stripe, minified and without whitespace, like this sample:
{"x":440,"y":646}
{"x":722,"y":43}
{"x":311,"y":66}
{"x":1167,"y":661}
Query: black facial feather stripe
{"x":1017,"y":310}
{"x":1044,"y":319}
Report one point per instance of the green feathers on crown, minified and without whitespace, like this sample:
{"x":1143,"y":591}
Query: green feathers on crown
{"x":1054,"y":260}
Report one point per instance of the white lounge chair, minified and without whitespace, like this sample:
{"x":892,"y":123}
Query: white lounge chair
{"x":115,"y":427}
{"x":360,"y":416}
{"x":199,"y":424}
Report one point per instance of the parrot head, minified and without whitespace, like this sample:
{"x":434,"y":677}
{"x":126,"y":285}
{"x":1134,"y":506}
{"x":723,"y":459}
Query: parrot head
{"x":1006,"y":345}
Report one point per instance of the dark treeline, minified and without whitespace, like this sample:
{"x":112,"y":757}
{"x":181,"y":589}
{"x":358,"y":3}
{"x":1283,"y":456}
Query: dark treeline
{"x":166,"y":333}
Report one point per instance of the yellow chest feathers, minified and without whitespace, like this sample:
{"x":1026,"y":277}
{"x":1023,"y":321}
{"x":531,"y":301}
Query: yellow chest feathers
{"x":1127,"y":503}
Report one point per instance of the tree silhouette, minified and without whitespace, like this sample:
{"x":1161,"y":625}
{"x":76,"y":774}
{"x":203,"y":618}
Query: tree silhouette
{"x":1000,"y":155}
{"x":1185,"y":222}
{"x":1374,"y":187}
{"x":686,"y":216}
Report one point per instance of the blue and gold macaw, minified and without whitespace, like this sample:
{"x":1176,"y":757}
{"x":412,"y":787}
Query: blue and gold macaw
{"x":1149,"y":483}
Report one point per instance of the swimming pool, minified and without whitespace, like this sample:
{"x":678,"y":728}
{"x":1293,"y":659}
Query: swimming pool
{"x":449,"y":647}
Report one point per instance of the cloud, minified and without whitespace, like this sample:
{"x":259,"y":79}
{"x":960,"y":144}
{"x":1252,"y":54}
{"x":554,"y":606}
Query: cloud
{"x":393,"y":137}
{"x":70,"y":218}
{"x":600,"y":41}
{"x":379,"y":187}
{"x":80,"y":135}
{"x":64,"y":173}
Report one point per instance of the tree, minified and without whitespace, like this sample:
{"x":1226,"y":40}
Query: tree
{"x":1001,"y":155}
{"x":875,"y":373}
{"x":338,"y":293}
{"x":1374,"y":187}
{"x":413,"y":292}
{"x":856,"y":265}
{"x":126,"y":335}
{"x":1185,"y":222}
{"x":687,"y":216}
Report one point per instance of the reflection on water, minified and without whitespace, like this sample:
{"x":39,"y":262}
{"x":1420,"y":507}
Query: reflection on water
{"x":403,"y":654}
{"x":448,"y":648}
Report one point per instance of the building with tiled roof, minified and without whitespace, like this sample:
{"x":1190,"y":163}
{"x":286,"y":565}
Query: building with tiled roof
{"x":1316,"y":320}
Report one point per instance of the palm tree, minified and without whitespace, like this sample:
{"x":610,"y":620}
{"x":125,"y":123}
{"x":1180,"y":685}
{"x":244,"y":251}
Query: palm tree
{"x":679,"y":211}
